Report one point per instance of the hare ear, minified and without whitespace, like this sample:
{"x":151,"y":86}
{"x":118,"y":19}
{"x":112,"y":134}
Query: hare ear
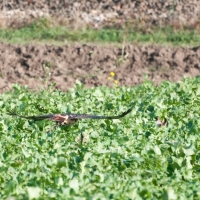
{"x":164,"y":122}
{"x":158,"y":122}
{"x":161,"y":123}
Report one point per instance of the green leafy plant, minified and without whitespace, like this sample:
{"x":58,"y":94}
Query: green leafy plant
{"x":130,"y":158}
{"x":46,"y":67}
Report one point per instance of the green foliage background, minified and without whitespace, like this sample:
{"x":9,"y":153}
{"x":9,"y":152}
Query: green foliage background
{"x":129,"y":158}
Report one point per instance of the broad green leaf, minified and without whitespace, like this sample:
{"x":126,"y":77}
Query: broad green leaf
{"x":171,"y":194}
{"x":74,"y":185}
{"x":34,"y":192}
{"x":157,"y":150}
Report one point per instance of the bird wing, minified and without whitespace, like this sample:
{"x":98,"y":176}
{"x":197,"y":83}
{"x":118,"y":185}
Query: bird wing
{"x":69,"y":116}
{"x":86,"y":116}
{"x":36,"y":118}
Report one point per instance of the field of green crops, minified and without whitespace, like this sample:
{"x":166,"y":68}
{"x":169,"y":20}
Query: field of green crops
{"x":130,"y":158}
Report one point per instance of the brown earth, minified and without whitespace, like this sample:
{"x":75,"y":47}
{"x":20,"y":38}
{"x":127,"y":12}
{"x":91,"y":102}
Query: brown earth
{"x":101,"y":13}
{"x":39,"y":65}
{"x":32,"y":65}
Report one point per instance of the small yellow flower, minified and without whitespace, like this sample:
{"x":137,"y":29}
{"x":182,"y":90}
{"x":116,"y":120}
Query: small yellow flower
{"x":109,"y":78}
{"x":116,"y":82}
{"x":112,"y":74}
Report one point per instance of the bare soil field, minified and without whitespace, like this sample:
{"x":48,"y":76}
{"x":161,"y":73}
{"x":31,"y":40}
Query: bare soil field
{"x":91,"y":64}
{"x":98,"y":14}
{"x":32,"y":65}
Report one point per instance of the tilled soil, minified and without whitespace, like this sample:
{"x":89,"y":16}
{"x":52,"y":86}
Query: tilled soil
{"x":39,"y":65}
{"x":98,"y":14}
{"x":35,"y":65}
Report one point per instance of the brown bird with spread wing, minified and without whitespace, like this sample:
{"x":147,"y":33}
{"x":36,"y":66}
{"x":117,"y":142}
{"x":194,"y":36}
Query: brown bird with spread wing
{"x":68,"y":118}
